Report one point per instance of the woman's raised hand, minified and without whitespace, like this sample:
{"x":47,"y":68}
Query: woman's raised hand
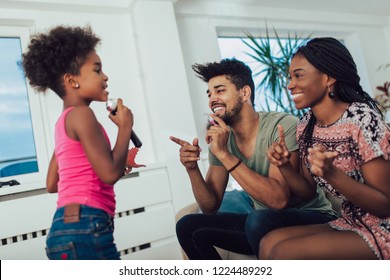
{"x":277,"y":153}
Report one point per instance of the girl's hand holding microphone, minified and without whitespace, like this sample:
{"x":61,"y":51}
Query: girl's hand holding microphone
{"x":122,"y":116}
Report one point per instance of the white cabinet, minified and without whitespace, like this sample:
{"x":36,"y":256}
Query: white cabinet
{"x":144,"y":220}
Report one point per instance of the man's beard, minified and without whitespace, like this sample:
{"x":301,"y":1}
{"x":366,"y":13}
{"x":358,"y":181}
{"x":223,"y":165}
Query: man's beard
{"x":232,"y":116}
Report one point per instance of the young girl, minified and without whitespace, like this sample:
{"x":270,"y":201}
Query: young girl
{"x":83,"y":167}
{"x":345,"y":147}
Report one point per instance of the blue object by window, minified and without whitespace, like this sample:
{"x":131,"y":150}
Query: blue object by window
{"x":19,"y":168}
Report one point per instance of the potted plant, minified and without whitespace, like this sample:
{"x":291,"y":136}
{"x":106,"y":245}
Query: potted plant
{"x":384,"y":95}
{"x":274,"y":65}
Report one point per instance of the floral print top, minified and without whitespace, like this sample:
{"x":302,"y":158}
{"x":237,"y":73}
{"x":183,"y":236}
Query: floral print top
{"x":359,"y":136}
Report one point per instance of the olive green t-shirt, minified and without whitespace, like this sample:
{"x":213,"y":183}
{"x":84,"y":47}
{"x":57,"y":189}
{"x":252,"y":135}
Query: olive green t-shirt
{"x":267,"y":134}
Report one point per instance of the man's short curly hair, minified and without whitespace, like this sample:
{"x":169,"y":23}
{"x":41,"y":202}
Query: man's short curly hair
{"x":235,"y":70}
{"x":50,"y":55}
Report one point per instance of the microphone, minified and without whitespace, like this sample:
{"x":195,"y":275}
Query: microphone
{"x":111,"y":106}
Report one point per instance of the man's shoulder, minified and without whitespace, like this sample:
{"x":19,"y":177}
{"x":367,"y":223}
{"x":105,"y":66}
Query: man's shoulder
{"x":269,"y":127}
{"x":277,"y":117}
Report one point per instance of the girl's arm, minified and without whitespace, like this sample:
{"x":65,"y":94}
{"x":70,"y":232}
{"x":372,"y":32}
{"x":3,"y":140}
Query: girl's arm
{"x":82,"y":125}
{"x":52,"y":176}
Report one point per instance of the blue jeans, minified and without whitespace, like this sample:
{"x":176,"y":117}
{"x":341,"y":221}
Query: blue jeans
{"x":91,"y":238}
{"x":237,"y":232}
{"x":237,"y":202}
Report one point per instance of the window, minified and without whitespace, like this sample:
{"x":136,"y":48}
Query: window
{"x":23,"y":155}
{"x":18,"y":155}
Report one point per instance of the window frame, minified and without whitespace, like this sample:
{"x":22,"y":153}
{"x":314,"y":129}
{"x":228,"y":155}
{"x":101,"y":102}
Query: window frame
{"x":34,"y":180}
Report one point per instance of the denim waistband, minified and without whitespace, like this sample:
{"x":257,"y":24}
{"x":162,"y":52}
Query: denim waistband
{"x":85,"y":211}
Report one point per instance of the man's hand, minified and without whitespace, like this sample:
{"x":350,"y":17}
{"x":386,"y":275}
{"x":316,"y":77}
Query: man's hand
{"x":321,"y":160}
{"x":218,"y":135}
{"x":278,"y":154}
{"x":189,"y":154}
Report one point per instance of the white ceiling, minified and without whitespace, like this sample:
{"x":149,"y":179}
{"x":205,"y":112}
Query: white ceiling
{"x":366,"y":7}
{"x":371,"y":7}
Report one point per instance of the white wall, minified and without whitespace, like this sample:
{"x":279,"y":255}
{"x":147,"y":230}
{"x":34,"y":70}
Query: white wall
{"x":165,"y":87}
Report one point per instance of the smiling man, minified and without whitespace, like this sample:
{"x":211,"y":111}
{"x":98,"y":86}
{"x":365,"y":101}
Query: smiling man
{"x":238,"y":145}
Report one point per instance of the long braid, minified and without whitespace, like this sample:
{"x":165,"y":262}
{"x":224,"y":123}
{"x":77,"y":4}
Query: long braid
{"x":307,"y":139}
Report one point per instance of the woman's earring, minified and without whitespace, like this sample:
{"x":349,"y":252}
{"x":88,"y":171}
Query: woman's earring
{"x":331,"y":95}
{"x":77,"y":85}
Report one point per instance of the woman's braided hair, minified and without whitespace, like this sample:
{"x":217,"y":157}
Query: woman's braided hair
{"x":331,"y":57}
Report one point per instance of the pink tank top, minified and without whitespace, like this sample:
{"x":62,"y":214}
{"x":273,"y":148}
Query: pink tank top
{"x":78,"y":182}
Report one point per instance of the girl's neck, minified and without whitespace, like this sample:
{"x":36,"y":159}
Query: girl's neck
{"x":74,"y":101}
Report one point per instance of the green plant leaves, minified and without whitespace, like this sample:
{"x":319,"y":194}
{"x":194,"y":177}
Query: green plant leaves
{"x":274,"y":62}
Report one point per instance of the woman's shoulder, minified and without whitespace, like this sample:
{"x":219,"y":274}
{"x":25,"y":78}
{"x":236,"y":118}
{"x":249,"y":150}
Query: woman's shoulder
{"x":359,"y":109}
{"x":362,"y":114}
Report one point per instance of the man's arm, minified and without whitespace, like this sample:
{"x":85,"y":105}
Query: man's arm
{"x":208,"y":193}
{"x":270,"y":190}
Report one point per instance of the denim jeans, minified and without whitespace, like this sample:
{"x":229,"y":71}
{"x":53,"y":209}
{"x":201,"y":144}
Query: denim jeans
{"x":237,"y":202}
{"x":91,"y":238}
{"x":237,"y":232}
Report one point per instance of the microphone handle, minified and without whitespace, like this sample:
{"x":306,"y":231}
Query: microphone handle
{"x":134,"y":138}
